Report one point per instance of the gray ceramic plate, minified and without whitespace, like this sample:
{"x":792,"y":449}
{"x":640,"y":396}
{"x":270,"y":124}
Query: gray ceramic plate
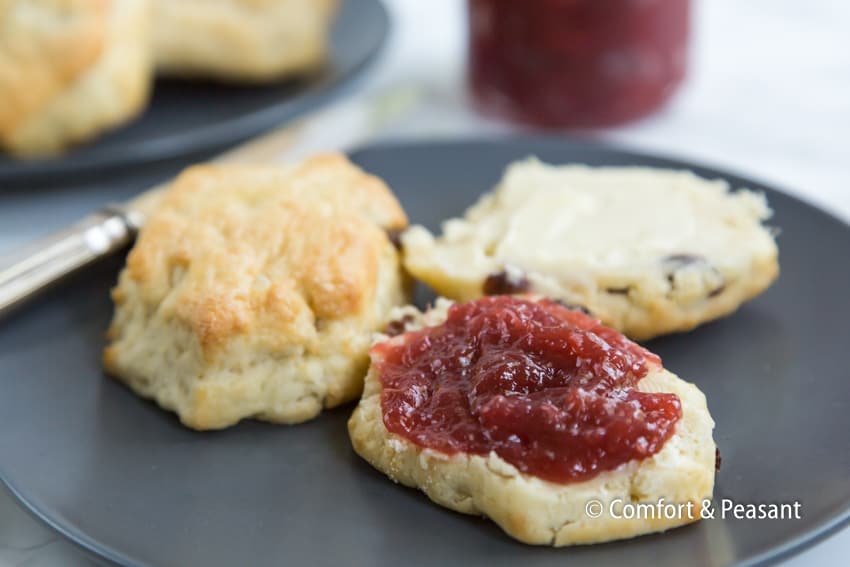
{"x":177,"y":120}
{"x":125,"y":480}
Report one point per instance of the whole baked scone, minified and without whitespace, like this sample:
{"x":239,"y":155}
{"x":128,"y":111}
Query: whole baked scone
{"x":648,"y":251}
{"x":538,"y":417}
{"x":241,"y":40}
{"x":70,"y":69}
{"x":255,"y":291}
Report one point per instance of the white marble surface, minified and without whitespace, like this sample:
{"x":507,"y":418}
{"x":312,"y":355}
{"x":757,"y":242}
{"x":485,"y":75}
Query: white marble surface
{"x":769,"y":95}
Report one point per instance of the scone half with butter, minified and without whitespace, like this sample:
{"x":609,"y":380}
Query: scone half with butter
{"x":254,"y":291}
{"x":69,"y":70}
{"x":648,"y":251}
{"x":538,"y":417}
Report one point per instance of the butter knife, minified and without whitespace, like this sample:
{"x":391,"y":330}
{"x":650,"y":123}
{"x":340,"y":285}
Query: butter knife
{"x":29,"y":271}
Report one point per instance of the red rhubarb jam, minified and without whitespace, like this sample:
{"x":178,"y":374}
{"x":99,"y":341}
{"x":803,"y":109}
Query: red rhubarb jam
{"x":549,"y":389}
{"x":576,"y":63}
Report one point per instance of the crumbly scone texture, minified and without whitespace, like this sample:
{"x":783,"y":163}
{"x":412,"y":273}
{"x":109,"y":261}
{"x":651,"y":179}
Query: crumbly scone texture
{"x":69,"y":70}
{"x":241,"y":40}
{"x":647,"y":251}
{"x":255,"y":291}
{"x":536,"y":511}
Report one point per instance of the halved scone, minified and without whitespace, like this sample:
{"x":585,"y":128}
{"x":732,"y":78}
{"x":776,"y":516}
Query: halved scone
{"x":648,"y":251}
{"x":530,"y":455}
{"x":70,"y":69}
{"x":255,"y":291}
{"x":241,"y":40}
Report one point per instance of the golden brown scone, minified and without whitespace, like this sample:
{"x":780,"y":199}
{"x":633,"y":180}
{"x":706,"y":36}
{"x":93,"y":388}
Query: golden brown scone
{"x":254,"y":291}
{"x":648,"y":251}
{"x":537,"y":511}
{"x":241,"y":40}
{"x":70,"y":69}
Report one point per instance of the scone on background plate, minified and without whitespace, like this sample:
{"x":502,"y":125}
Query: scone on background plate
{"x":497,"y":414}
{"x":70,"y":69}
{"x":241,"y":40}
{"x":254,"y":291}
{"x":648,"y":251}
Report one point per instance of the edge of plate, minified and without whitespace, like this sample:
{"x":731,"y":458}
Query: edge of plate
{"x":86,"y":545}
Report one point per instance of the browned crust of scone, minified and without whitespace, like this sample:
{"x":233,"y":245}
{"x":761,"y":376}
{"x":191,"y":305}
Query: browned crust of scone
{"x":241,"y":41}
{"x":255,"y":285}
{"x":36,"y":64}
{"x":318,"y":277}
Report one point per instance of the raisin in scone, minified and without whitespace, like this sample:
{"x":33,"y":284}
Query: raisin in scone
{"x":536,"y":416}
{"x":648,"y":251}
{"x":255,"y":291}
{"x":70,"y":69}
{"x":241,"y":40}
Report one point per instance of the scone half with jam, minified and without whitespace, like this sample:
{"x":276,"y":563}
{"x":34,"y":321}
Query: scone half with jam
{"x":538,"y":417}
{"x":254,"y":292}
{"x":648,"y":251}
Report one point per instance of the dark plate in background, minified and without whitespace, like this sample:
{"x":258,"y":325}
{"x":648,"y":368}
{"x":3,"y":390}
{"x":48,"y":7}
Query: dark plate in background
{"x":123,"y":479}
{"x":187,"y":117}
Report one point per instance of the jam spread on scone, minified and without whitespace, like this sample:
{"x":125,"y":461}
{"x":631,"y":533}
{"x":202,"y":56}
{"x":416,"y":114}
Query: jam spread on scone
{"x":549,"y":389}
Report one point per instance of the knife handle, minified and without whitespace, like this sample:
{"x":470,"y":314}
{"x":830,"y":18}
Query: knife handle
{"x":27,"y":272}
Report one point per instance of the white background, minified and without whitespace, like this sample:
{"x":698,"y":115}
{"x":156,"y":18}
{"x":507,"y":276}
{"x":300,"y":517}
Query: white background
{"x":768,"y":95}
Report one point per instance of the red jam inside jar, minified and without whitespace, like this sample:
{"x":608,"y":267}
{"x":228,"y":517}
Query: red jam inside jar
{"x":549,"y":389}
{"x":576,"y":63}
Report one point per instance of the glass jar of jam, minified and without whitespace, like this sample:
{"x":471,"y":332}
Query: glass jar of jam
{"x":576,"y":63}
